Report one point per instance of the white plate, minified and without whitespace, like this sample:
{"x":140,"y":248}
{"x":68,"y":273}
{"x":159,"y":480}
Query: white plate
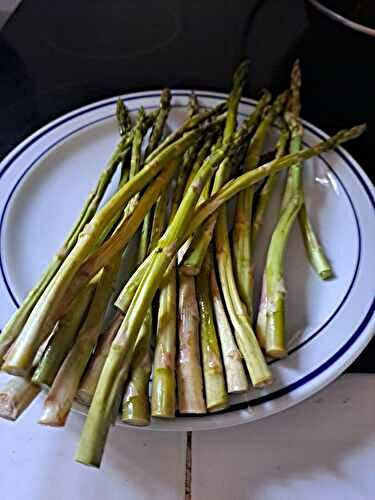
{"x":45,"y":180}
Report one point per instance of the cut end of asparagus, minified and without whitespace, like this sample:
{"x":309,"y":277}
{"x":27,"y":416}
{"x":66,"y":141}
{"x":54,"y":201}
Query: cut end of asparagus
{"x":15,"y":370}
{"x":326,"y":274}
{"x":136,"y":411}
{"x":189,"y":270}
{"x":219,"y":405}
{"x":15,"y":397}
{"x":276,"y":353}
{"x":52,"y":416}
{"x":84,"y":397}
{"x":163,"y":401}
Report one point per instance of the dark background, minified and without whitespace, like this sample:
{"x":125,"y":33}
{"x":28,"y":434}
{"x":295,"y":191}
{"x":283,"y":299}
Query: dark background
{"x":56,"y":56}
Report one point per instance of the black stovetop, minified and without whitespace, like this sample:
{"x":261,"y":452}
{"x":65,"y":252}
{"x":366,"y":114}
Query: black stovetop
{"x":56,"y":56}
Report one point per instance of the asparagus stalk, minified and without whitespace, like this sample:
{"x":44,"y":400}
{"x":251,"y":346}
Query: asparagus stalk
{"x":90,"y":379}
{"x":48,"y":309}
{"x":62,"y":339}
{"x":244,"y":208}
{"x":272,"y":307}
{"x":16,"y":396}
{"x":314,"y":250}
{"x":189,"y":371}
{"x":65,"y":386}
{"x":116,"y":368}
{"x":135,"y":406}
{"x":258,"y":370}
{"x":232,"y":359}
{"x":16,"y":323}
{"x":213,"y":372}
{"x":198,"y":249}
{"x":157,"y":132}
{"x":163,"y":398}
{"x":266,"y":192}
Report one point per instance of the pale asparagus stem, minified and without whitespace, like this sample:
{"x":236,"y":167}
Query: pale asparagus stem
{"x":65,"y":386}
{"x":267,"y":190}
{"x":244,"y":207}
{"x":274,"y":276}
{"x":16,"y":323}
{"x":258,"y":370}
{"x":117,"y":365}
{"x":315,"y":251}
{"x":62,"y":339}
{"x":16,"y":396}
{"x":90,"y":379}
{"x":193,"y":259}
{"x":189,"y":371}
{"x":234,"y":370}
{"x":232,"y":188}
{"x":163,"y":398}
{"x":213,"y":372}
{"x":49,"y":307}
{"x":135,"y":405}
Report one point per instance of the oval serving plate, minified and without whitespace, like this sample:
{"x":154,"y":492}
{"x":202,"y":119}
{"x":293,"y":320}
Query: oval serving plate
{"x":44,"y":182}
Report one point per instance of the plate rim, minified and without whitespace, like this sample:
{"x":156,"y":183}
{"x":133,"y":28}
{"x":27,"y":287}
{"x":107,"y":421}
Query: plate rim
{"x":368,"y":323}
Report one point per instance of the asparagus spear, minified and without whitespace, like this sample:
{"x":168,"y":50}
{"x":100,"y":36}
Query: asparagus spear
{"x":65,"y":386}
{"x":163,"y":398}
{"x":272,"y":333}
{"x":157,"y":132}
{"x":16,"y":323}
{"x":266,"y":192}
{"x":123,"y":117}
{"x":116,"y":368}
{"x":48,"y":309}
{"x":197,"y":250}
{"x":189,"y":372}
{"x":232,"y":359}
{"x":244,"y":207}
{"x":314,"y":250}
{"x":135,"y":406}
{"x":213,"y":372}
{"x":62,"y":339}
{"x":16,"y":396}
{"x":90,"y":379}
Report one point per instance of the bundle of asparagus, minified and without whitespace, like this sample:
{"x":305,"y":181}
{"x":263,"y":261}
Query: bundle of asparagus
{"x":185,"y":313}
